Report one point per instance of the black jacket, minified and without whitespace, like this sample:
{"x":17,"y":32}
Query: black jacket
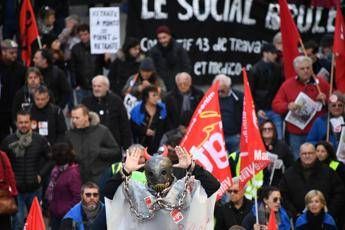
{"x":95,"y":148}
{"x":121,"y":69}
{"x":170,"y":61}
{"x":56,"y":81}
{"x":85,"y":65}
{"x":36,"y":161}
{"x":51,"y":115}
{"x":208,"y":182}
{"x":294,"y":186}
{"x":265,"y":80}
{"x":174,"y":101}
{"x":113,"y":114}
{"x":227,"y":215}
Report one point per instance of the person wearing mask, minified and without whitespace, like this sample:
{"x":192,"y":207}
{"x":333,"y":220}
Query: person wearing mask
{"x":316,"y":214}
{"x":149,"y":119}
{"x":63,"y":190}
{"x":125,"y":64}
{"x":89,"y":213}
{"x":110,"y":110}
{"x":233,"y":212}
{"x":269,"y":199}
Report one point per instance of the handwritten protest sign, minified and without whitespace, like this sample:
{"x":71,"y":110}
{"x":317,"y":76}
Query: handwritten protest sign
{"x":104,"y":29}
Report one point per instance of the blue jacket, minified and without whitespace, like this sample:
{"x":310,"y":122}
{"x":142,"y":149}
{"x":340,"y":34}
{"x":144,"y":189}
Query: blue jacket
{"x":318,"y":132}
{"x":249,"y":221}
{"x":328,"y":221}
{"x":76,"y":215}
{"x":138,"y":115}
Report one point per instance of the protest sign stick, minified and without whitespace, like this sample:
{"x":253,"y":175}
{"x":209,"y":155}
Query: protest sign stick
{"x":255,"y":197}
{"x":330,"y":92}
{"x":272,"y":173}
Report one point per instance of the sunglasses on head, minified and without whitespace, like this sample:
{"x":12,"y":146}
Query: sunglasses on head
{"x":89,"y":194}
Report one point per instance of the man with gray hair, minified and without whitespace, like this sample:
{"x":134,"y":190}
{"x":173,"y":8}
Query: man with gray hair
{"x":315,"y":88}
{"x":231,"y":106}
{"x":309,"y":173}
{"x":182,"y":100}
{"x":110,"y":109}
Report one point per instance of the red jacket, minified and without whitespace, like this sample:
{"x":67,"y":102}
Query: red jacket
{"x":7,"y":179}
{"x":288,"y":92}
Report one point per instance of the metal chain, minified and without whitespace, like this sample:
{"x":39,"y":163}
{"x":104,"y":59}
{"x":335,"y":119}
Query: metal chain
{"x":159,"y":203}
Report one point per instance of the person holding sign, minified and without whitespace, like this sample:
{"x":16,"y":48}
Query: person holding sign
{"x":315,"y":88}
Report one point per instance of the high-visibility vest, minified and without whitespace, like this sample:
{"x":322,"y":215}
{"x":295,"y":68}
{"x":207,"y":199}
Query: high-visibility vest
{"x":252,"y":185}
{"x":334,"y":165}
{"x":136,"y":175}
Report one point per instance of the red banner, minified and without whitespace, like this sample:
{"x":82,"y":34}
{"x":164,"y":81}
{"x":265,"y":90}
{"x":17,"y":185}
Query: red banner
{"x":35,"y":221}
{"x":339,"y":50}
{"x":28,"y":30}
{"x":205,"y":139}
{"x":253,"y":152}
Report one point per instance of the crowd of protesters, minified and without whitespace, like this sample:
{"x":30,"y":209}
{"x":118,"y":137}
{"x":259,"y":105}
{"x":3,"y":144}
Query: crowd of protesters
{"x":66,"y":125}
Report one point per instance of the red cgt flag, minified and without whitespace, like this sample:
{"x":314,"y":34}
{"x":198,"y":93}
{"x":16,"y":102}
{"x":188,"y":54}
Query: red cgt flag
{"x":28,"y":30}
{"x":254,"y":157}
{"x":34,"y":220}
{"x":205,"y":141}
{"x":339,"y":50}
{"x":290,"y":39}
{"x":272,"y":223}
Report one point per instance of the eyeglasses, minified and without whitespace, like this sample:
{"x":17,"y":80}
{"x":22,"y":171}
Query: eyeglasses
{"x":267,"y":129}
{"x":307,"y":153}
{"x":89,"y":194}
{"x":337,"y":105}
{"x":276,"y":199}
{"x":233,"y":191}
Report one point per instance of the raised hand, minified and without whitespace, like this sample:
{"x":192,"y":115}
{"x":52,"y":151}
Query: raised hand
{"x":184,"y":157}
{"x":132,"y":160}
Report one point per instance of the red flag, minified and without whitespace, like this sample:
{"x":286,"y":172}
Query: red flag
{"x":28,"y":30}
{"x":253,"y":152}
{"x":324,"y":3}
{"x":205,"y":140}
{"x":290,"y":39}
{"x":34,"y":221}
{"x":339,"y":51}
{"x":272,"y":223}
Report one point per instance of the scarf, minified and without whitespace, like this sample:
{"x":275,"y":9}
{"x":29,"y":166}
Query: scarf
{"x":315,"y":222}
{"x":264,"y":214}
{"x":24,"y":140}
{"x":91,"y":214}
{"x":57,"y":170}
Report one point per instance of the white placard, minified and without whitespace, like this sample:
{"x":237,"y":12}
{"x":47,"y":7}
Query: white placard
{"x":104,"y":29}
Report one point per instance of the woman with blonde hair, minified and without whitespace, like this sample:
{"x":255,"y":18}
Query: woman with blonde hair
{"x":315,"y":215}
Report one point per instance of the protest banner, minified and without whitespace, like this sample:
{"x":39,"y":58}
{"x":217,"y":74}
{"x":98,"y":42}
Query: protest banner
{"x":104,"y":29}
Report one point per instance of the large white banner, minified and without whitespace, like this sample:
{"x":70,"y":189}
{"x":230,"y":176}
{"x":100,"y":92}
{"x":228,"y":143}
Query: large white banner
{"x":104,"y":29}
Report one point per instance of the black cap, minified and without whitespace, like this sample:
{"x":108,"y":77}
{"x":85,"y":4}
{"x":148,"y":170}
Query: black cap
{"x":268,"y":47}
{"x":147,"y":64}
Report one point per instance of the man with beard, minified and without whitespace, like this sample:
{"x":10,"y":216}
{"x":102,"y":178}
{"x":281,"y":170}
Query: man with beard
{"x":87,"y":214}
{"x":169,"y":56}
{"x":12,"y":77}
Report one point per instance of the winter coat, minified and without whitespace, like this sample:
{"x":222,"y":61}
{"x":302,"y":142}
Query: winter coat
{"x":121,"y":69}
{"x":170,"y":61}
{"x":289,"y":91}
{"x":294,"y":186}
{"x":56,"y":81}
{"x":36,"y":161}
{"x":265,"y":79}
{"x":85,"y":66}
{"x":95,"y":148}
{"x":140,"y":124}
{"x":53,"y":117}
{"x":328,"y":222}
{"x":174,"y":101}
{"x":66,"y":191}
{"x":113,"y":115}
{"x":7,"y":178}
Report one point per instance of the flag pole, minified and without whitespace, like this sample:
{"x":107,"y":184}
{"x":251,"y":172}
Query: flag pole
{"x":255,"y":197}
{"x":39,"y":42}
{"x":330,"y":92}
